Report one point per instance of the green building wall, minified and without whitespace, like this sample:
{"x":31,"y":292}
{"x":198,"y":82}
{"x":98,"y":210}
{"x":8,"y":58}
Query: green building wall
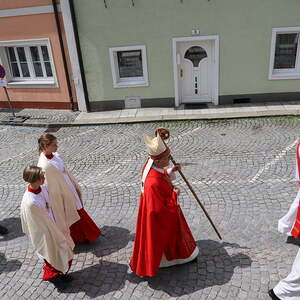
{"x":244,"y":28}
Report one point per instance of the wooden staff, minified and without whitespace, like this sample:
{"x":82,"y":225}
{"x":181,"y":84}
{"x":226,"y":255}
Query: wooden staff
{"x":165,"y":134}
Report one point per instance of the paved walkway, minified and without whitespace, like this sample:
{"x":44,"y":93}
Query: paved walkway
{"x":168,"y":114}
{"x":242,"y":169}
{"x":68,"y":118}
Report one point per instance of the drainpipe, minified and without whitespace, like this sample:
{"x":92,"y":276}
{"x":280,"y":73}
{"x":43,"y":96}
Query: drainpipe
{"x":79,"y":53}
{"x":61,"y":43}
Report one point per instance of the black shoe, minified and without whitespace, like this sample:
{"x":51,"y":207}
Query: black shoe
{"x":291,"y":240}
{"x":3,"y":230}
{"x":66,"y":278}
{"x":59,"y":283}
{"x":195,"y":260}
{"x":272,"y":295}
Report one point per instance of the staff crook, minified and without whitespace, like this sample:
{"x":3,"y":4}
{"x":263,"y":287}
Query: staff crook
{"x":165,"y":134}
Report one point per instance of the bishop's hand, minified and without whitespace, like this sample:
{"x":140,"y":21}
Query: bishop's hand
{"x":176,"y":167}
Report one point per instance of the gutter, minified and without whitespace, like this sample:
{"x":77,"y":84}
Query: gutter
{"x":79,"y":53}
{"x":58,"y":27}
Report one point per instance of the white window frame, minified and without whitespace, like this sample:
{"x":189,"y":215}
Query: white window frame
{"x":38,"y":82}
{"x":284,"y":73}
{"x":129,"y":81}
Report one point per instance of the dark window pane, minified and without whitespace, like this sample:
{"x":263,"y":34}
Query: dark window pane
{"x":25,"y":70}
{"x":195,"y":54}
{"x":38,"y":70}
{"x":130,"y":63}
{"x":21,"y":54}
{"x":286,"y":50}
{"x":35,"y":53}
{"x":15,"y":70}
{"x":45,"y":53}
{"x":48,"y":69}
{"x":11,"y":53}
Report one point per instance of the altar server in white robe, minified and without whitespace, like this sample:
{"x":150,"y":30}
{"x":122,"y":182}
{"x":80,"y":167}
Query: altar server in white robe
{"x":38,"y":222}
{"x":65,"y":192}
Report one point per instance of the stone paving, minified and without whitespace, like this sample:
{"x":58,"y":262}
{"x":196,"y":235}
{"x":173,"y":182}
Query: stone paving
{"x":39,"y":116}
{"x":242,"y":169}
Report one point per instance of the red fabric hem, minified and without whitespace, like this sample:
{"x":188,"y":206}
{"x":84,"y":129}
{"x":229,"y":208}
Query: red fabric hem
{"x":50,"y":272}
{"x":85,"y":229}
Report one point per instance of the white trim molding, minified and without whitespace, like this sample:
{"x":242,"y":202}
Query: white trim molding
{"x":72,"y":49}
{"x":215,"y":71}
{"x":25,"y":11}
{"x":128,"y":81}
{"x":276,"y":74}
{"x":32,"y":82}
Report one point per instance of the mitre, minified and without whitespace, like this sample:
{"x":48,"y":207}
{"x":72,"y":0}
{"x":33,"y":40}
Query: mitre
{"x":156,"y":148}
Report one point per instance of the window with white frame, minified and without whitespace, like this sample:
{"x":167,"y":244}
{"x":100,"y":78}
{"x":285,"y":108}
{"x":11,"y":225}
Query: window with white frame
{"x":129,"y":66}
{"x":28,"y":62}
{"x":285,"y":53}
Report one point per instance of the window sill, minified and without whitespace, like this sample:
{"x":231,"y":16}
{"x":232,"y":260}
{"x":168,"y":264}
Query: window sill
{"x":130,"y":84}
{"x":284,"y":76}
{"x":33,"y":84}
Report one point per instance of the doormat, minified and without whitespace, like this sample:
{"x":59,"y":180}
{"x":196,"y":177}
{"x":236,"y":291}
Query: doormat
{"x":195,"y":105}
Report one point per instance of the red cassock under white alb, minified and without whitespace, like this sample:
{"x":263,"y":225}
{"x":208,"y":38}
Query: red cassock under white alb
{"x":84,"y":229}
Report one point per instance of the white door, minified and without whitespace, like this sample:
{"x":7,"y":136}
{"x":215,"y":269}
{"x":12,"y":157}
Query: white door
{"x":195,"y":71}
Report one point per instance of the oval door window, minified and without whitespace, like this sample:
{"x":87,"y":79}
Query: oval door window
{"x":195,"y":54}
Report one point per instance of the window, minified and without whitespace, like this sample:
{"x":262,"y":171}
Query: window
{"x":129,"y":66}
{"x":284,"y":59}
{"x":28,"y":63}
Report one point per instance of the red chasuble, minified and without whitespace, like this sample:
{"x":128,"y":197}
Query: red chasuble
{"x":296,"y":228}
{"x":161,"y":227}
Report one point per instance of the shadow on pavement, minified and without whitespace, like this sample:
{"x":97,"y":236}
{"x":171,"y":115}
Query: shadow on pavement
{"x":111,"y":240}
{"x":99,"y":279}
{"x":7,"y":266}
{"x":14,"y":227}
{"x":213,"y":267}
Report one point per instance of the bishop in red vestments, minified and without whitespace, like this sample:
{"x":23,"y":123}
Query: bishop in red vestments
{"x":163,"y":237}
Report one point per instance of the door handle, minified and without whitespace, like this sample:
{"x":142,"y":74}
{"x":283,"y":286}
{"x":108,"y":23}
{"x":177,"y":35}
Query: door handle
{"x":181,"y":73}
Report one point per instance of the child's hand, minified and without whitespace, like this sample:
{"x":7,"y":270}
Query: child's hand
{"x":177,"y":167}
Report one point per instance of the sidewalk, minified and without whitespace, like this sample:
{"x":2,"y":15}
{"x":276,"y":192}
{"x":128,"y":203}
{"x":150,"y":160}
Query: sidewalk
{"x":52,"y":118}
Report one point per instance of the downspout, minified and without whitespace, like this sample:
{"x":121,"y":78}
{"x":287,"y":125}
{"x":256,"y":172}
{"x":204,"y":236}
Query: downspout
{"x":61,"y":43}
{"x":80,"y":60}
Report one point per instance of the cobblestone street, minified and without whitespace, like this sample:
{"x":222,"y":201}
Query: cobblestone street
{"x":243,"y":170}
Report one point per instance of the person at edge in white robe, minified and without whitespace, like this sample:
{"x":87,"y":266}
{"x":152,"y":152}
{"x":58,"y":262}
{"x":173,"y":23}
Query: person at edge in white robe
{"x":286,"y":223}
{"x":289,"y":287}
